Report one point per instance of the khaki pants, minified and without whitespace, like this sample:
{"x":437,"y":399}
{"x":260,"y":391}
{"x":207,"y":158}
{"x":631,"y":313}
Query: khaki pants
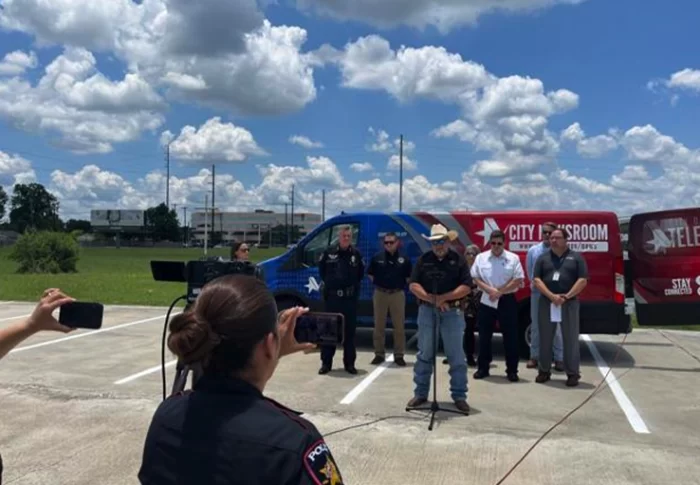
{"x":395,"y":304}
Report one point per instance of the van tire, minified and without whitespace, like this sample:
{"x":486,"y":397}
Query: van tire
{"x":524,"y":331}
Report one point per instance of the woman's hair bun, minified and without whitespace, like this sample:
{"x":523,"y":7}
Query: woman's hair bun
{"x":191,"y":338}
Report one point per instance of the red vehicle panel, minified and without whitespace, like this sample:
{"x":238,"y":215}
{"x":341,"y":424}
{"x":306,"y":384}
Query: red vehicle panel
{"x":595,"y":234}
{"x":664,"y":254}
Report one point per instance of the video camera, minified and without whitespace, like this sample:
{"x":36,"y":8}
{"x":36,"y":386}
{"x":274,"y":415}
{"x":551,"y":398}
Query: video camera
{"x":198,"y":273}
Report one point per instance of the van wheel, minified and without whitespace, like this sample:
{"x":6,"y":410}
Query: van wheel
{"x":524,"y":334}
{"x":285,"y":302}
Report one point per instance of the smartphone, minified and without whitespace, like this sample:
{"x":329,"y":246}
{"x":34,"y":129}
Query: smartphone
{"x":320,"y":328}
{"x":81,"y":314}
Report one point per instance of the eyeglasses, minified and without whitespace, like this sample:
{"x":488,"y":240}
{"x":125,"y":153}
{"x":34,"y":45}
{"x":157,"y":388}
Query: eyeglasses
{"x":441,"y":242}
{"x":546,"y":233}
{"x":389,"y":243}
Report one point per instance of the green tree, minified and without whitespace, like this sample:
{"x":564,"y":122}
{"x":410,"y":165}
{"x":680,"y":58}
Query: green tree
{"x":33,"y":207}
{"x":162,"y":223}
{"x":3,"y":202}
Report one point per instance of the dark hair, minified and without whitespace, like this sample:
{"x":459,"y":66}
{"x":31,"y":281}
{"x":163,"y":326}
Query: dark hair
{"x":230,"y":317}
{"x":563,"y":231}
{"x":497,"y":234}
{"x":550,"y":224}
{"x":234,"y":248}
{"x":390,"y":234}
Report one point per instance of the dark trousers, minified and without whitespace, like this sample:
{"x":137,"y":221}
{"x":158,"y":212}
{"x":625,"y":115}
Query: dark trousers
{"x":507,"y":316}
{"x":469,"y":342}
{"x":348,"y":307}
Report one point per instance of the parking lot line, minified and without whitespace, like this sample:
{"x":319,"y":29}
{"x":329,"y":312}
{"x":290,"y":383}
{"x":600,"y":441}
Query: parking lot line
{"x":357,"y":390}
{"x":87,"y":334}
{"x":635,"y":420}
{"x":14,"y":318}
{"x":156,"y":368}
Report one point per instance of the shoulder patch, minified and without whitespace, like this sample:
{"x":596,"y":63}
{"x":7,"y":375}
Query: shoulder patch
{"x":320,"y":465}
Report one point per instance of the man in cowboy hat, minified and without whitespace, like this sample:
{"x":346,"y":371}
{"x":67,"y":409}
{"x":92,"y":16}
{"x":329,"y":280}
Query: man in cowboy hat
{"x":443,"y":271}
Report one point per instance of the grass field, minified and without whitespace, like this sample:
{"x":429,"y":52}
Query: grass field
{"x":110,"y":276}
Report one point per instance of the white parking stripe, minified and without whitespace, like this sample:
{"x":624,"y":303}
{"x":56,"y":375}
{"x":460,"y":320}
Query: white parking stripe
{"x":133,"y":377}
{"x":14,"y":318}
{"x":89,"y":333}
{"x":352,"y":395}
{"x":623,"y":401}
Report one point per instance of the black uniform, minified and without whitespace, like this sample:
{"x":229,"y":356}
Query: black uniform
{"x":341,"y":271}
{"x":442,"y":275}
{"x":390,"y":271}
{"x":227,"y":432}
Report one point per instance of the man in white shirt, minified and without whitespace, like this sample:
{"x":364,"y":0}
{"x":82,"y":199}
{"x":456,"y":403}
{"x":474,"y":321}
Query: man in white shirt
{"x":499,"y":274}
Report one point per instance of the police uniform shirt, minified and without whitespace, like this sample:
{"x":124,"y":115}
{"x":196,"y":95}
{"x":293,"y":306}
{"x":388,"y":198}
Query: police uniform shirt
{"x":227,"y":432}
{"x":341,"y":268}
{"x":390,"y":271}
{"x":495,"y":270}
{"x":559,"y":274}
{"x":452,"y":268}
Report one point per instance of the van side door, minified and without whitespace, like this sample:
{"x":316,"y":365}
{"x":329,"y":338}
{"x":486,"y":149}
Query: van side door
{"x":664,"y":258}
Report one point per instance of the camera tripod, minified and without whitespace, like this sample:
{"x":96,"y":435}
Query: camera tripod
{"x":434,"y":407}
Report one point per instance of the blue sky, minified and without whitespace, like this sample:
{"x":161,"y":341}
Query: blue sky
{"x":616,"y":61}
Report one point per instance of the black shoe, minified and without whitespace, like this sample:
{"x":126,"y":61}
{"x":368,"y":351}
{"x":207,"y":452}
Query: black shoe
{"x":350,"y":369}
{"x":471,"y":361}
{"x":513,"y":377}
{"x":480,"y":374}
{"x":325,"y":369}
{"x":378,"y":359}
{"x":400,"y":362}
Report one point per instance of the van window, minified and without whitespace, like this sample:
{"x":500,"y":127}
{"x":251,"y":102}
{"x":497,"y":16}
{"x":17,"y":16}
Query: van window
{"x":328,"y":236}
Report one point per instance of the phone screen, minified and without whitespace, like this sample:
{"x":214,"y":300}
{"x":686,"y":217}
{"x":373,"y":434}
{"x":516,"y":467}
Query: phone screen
{"x":320,"y":328}
{"x":80,"y":314}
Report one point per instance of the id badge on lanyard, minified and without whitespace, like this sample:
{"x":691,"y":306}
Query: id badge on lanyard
{"x":555,"y":276}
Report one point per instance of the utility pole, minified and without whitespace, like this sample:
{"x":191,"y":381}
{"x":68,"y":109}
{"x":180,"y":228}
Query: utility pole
{"x":167,"y":178}
{"x":213,"y":182}
{"x":286,"y":222}
{"x":292,"y":213}
{"x":401,"y":173}
{"x":206,"y":232}
{"x":323,"y":205}
{"x":184,"y":225}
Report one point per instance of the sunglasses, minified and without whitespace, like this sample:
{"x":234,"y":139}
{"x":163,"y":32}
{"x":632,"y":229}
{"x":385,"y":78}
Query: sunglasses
{"x":389,"y":243}
{"x":439,"y":243}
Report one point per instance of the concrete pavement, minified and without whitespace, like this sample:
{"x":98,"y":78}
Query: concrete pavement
{"x":76,"y":408}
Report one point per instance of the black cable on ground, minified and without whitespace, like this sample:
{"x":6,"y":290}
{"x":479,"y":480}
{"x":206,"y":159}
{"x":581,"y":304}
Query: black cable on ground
{"x":162,"y":347}
{"x":595,"y":391}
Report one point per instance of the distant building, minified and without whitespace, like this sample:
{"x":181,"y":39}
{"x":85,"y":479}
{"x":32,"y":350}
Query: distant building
{"x":251,"y":227}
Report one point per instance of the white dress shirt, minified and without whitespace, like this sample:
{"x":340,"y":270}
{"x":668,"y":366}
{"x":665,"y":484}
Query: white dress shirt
{"x":495,"y":270}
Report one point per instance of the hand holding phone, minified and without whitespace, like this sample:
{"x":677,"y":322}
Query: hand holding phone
{"x":81,"y":314}
{"x":320,"y":328}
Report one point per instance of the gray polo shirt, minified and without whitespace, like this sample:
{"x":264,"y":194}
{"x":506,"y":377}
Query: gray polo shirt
{"x":570,"y":267}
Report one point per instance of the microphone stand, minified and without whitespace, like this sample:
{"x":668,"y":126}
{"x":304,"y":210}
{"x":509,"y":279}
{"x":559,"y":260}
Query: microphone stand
{"x":434,"y":406}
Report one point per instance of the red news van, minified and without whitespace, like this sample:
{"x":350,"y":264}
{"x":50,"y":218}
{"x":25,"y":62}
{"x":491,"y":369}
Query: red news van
{"x":293,"y":276}
{"x":664,"y":266}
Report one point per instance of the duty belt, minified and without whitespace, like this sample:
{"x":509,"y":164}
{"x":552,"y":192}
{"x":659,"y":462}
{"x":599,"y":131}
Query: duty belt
{"x":343,"y":292}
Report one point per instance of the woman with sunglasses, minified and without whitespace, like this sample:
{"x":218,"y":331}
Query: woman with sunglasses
{"x":240,"y":251}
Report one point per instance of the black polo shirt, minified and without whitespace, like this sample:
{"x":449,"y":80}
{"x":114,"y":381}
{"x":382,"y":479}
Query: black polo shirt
{"x":390,"y":271}
{"x":227,"y":432}
{"x":570,"y":267}
{"x":453,"y":271}
{"x":341,"y":268}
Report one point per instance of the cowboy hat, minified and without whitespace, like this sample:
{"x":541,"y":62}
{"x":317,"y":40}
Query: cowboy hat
{"x":438,"y":232}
